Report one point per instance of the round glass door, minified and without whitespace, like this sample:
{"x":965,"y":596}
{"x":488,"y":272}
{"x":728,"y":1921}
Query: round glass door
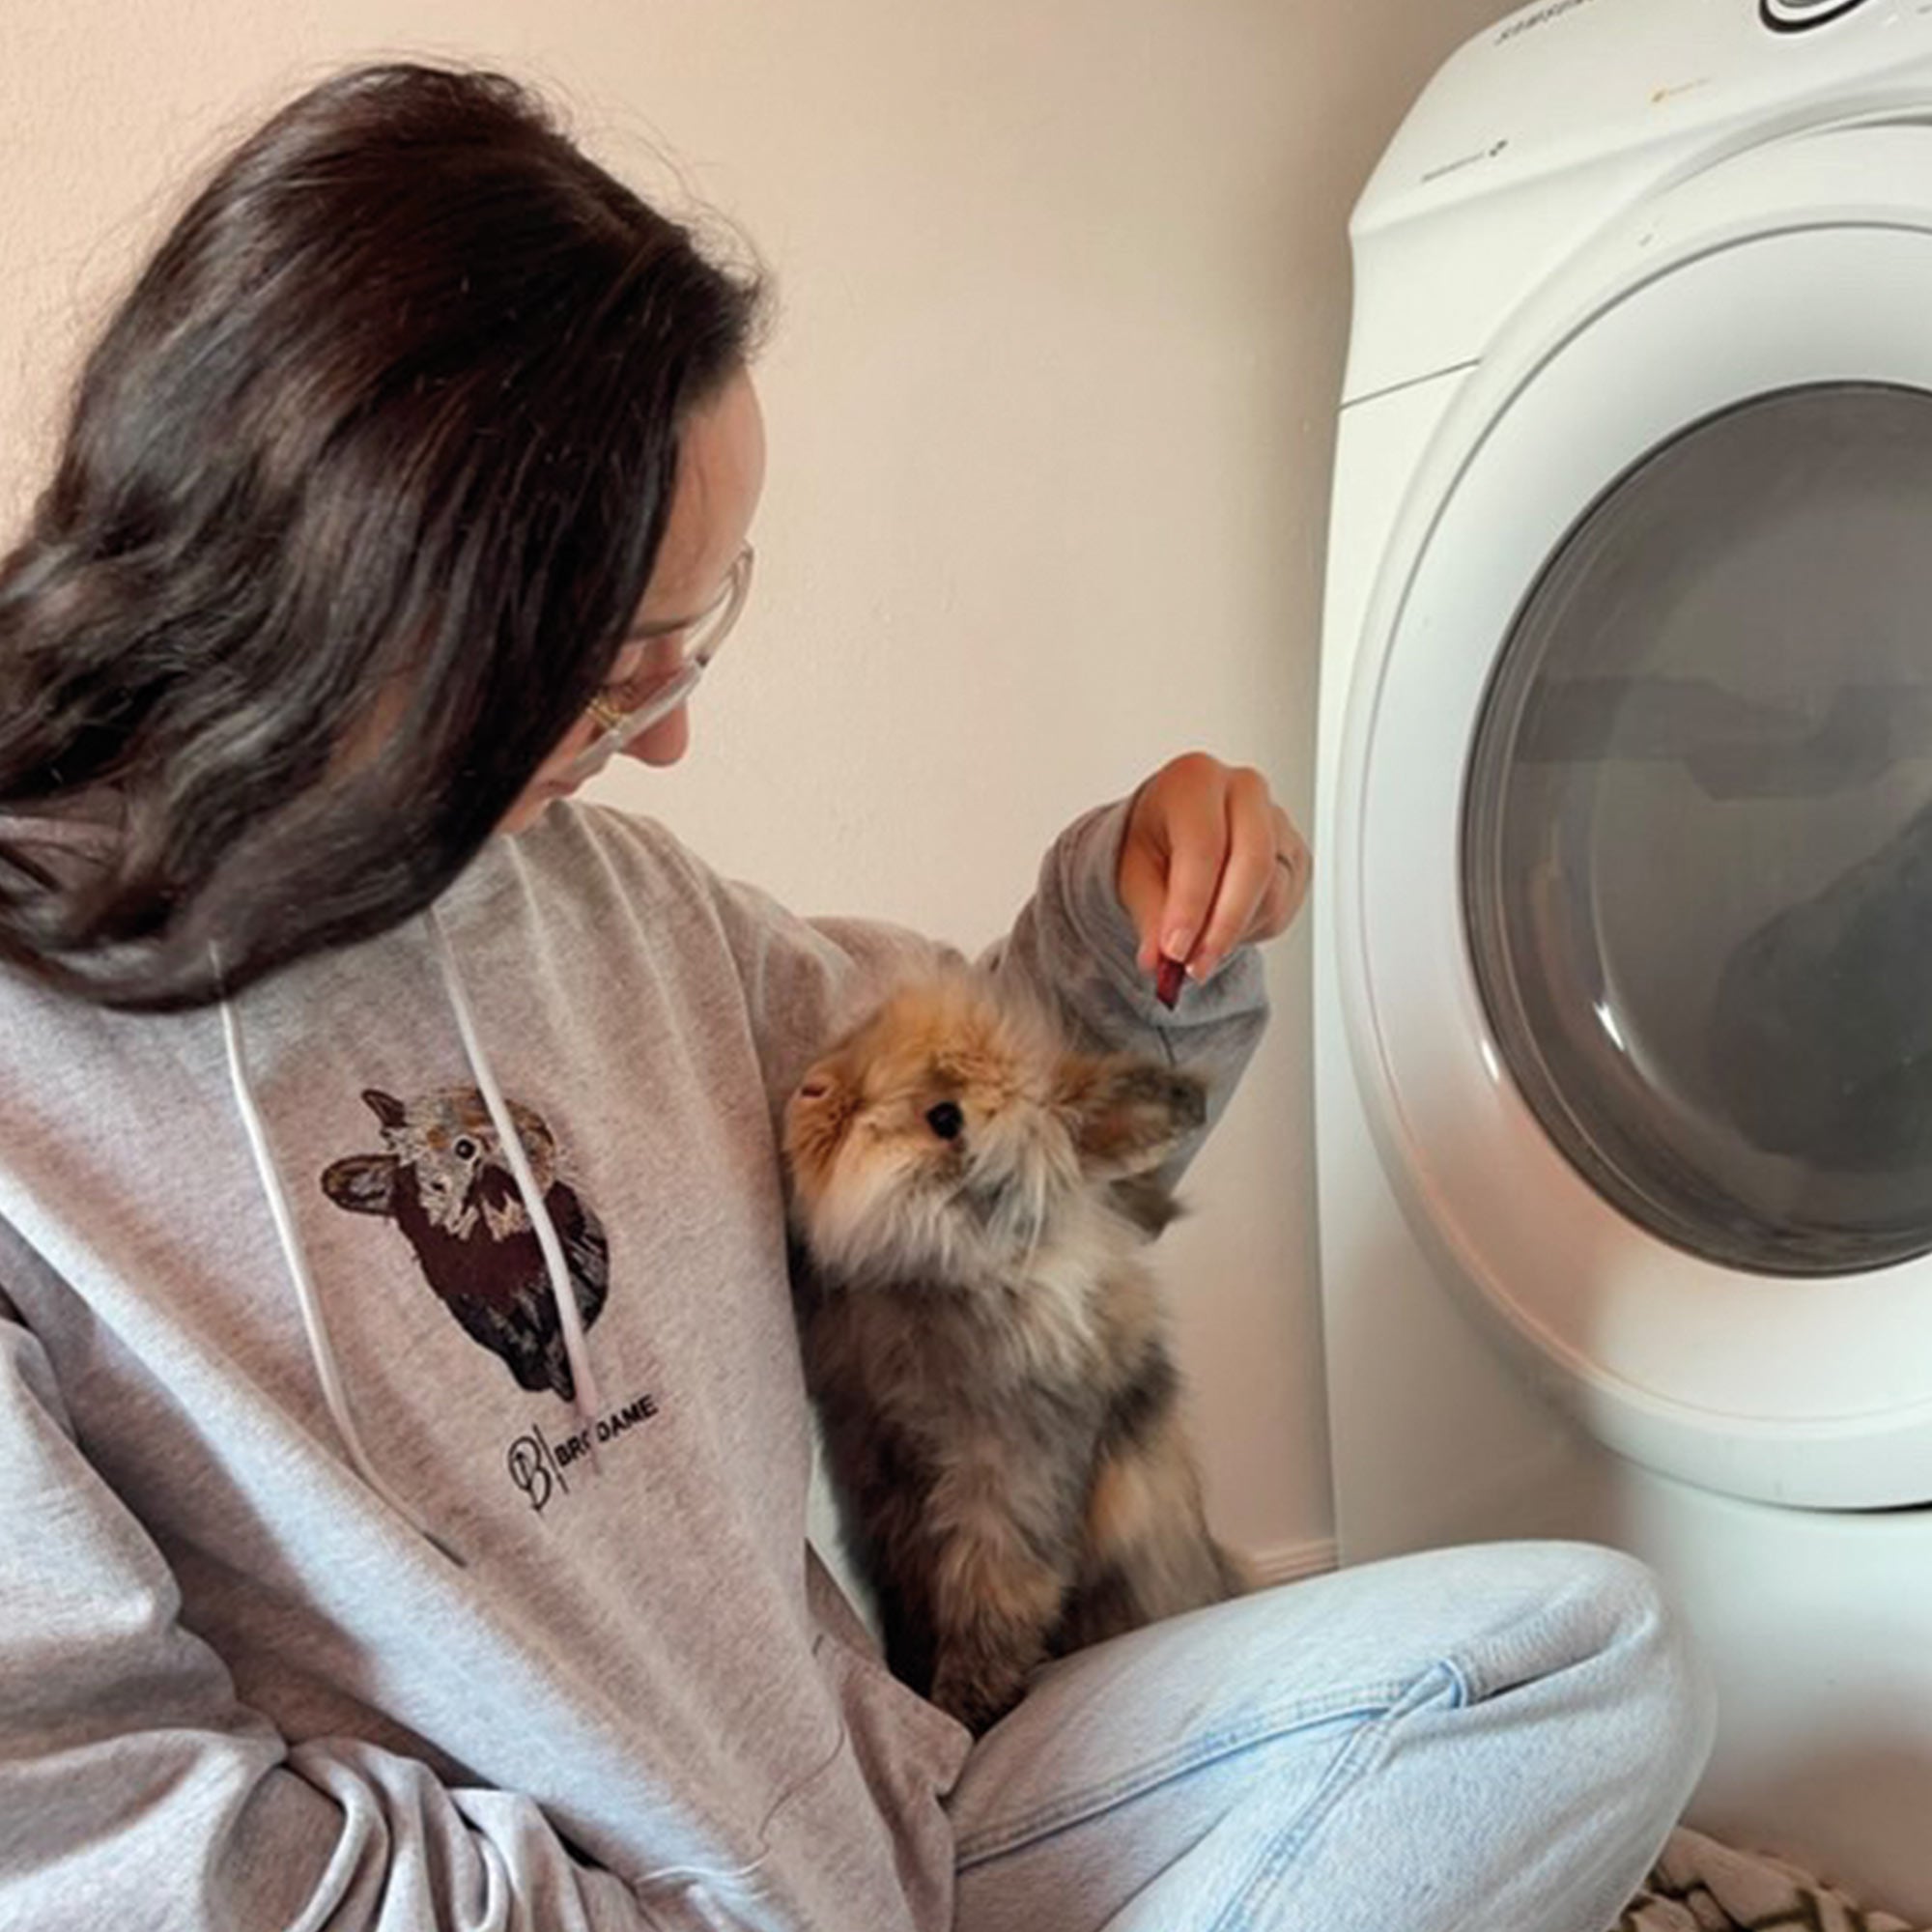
{"x":1630,"y":847}
{"x":1697,"y":835}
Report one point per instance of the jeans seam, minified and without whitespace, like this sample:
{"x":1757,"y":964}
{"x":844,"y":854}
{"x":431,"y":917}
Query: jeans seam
{"x":1351,"y":1763}
{"x":1075,"y":1808}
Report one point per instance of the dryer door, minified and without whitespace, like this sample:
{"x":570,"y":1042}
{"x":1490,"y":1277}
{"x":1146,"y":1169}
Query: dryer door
{"x":1636,"y":929}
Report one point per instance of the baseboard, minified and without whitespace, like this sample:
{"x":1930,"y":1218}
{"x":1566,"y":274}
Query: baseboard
{"x":1289,"y":1563}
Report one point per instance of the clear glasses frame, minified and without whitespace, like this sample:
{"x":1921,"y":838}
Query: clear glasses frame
{"x":702,"y":635}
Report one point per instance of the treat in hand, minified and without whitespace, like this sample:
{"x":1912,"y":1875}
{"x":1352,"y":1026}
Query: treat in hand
{"x":1169,"y":981}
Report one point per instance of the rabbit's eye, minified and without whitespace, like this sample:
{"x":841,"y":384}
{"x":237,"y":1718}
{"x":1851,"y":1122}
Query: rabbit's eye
{"x":464,"y":1149}
{"x":946,"y":1120}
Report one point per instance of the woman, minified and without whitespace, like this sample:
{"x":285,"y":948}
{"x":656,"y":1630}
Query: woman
{"x":405,"y":1454}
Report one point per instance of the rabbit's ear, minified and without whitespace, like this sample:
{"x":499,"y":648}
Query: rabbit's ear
{"x":1127,"y":1115}
{"x":816,"y":1117}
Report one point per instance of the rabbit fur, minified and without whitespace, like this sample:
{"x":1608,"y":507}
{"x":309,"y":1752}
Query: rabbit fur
{"x":972,"y":1201}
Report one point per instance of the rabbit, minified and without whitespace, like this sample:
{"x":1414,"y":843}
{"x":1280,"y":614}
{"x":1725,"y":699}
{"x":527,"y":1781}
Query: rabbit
{"x":983,"y":1340}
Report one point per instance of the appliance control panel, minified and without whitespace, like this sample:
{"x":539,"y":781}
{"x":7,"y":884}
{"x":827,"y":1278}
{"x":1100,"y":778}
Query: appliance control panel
{"x":1561,"y":83}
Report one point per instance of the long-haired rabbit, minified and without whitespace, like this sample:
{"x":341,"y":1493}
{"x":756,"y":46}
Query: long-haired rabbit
{"x":984,"y":1342}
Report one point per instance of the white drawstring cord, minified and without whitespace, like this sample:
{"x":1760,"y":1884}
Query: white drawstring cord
{"x":574,"y":1344}
{"x":320,"y":1350}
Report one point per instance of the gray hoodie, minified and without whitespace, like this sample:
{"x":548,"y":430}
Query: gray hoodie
{"x":345,"y":1582}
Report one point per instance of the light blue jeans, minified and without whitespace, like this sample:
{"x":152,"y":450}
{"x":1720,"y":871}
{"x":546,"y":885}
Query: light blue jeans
{"x":1495,"y":1738}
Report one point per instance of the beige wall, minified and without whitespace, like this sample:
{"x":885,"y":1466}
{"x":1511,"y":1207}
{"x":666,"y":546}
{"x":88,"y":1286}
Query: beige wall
{"x":1065,"y":297}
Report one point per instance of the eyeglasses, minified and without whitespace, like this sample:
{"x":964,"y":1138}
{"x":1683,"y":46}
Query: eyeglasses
{"x":619,"y":724}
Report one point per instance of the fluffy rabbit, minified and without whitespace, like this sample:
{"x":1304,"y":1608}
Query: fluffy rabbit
{"x":984,"y":1342}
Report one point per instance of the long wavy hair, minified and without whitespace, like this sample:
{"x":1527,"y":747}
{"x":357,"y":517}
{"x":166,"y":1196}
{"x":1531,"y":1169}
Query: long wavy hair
{"x":358,"y":492}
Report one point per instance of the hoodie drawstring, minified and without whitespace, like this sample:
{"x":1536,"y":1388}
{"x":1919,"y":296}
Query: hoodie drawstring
{"x":575,"y":1345}
{"x":321,"y":1350}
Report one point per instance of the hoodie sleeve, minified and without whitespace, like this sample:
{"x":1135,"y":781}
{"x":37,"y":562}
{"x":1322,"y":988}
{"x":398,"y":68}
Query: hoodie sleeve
{"x":136,"y":1790}
{"x":1072,"y":947}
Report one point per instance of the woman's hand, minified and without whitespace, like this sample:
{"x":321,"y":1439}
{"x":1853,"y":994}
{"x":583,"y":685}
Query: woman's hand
{"x":1210,"y":863}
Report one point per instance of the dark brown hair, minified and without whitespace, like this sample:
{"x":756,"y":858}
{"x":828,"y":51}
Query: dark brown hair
{"x":360,"y":487}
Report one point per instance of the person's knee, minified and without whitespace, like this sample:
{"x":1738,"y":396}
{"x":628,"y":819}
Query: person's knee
{"x":1649,"y":1685}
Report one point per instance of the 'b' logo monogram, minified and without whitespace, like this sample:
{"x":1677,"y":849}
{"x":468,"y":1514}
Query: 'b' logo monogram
{"x":532,"y":1471}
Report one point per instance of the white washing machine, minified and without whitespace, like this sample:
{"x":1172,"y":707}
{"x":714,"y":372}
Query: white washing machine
{"x":1624,"y":912}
